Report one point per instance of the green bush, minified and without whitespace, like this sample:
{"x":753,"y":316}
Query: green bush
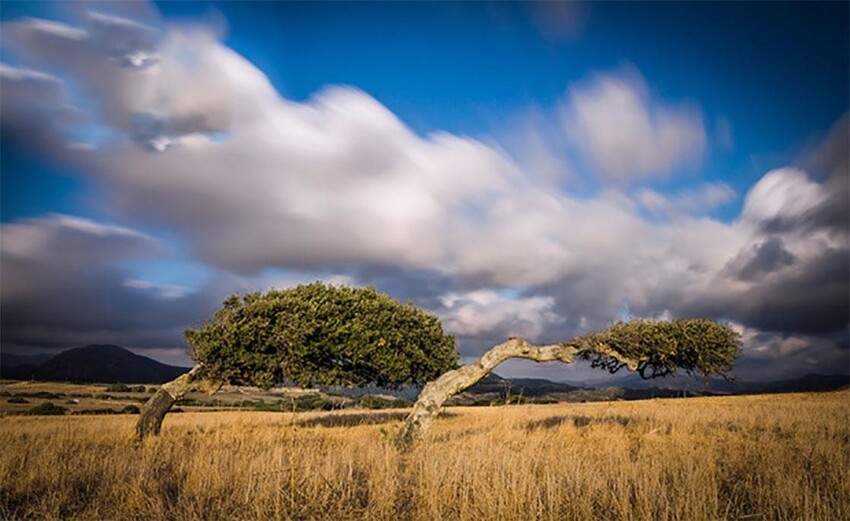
{"x":42,"y":394}
{"x":117,"y":388}
{"x":317,"y":334}
{"x":368,"y":401}
{"x":17,"y":399}
{"x":47,"y":409}
{"x":130,"y":409}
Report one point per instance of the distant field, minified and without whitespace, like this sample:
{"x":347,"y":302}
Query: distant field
{"x":745,"y":457}
{"x":18,"y":397}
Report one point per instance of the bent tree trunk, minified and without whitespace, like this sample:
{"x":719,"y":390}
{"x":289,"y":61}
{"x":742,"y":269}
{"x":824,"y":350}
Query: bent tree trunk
{"x":154,"y":411}
{"x":434,"y":394}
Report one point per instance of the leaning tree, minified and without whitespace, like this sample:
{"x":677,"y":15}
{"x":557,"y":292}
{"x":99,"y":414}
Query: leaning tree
{"x":326,"y":335}
{"x":312,"y":334}
{"x":650,"y":348}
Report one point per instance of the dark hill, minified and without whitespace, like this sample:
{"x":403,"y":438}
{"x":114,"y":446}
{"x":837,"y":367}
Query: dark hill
{"x":105,"y":364}
{"x":10,"y":360}
{"x":20,"y":367}
{"x":494,"y":383}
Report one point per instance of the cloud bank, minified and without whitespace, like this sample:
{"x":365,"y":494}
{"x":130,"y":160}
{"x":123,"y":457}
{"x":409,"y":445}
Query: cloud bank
{"x":185,"y":135}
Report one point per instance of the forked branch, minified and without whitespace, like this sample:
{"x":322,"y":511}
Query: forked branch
{"x":653,"y":349}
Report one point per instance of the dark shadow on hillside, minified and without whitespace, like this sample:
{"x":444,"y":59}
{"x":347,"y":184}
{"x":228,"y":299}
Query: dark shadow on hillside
{"x":359,"y":418}
{"x":578,"y":421}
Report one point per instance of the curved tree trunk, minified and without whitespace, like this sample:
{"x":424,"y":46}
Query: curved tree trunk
{"x":154,"y":411}
{"x":434,"y":394}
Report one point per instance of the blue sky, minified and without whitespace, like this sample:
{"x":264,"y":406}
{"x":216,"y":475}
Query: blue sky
{"x":684,"y":159}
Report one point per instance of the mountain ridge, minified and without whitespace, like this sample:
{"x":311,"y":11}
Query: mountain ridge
{"x":108,"y":363}
{"x":93,"y":363}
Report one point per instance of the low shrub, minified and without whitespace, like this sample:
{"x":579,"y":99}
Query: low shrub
{"x":17,"y":399}
{"x":47,"y":409}
{"x":368,"y":401}
{"x":47,"y":395}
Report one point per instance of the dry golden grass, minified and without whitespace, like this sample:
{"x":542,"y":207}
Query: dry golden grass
{"x":761,"y":457}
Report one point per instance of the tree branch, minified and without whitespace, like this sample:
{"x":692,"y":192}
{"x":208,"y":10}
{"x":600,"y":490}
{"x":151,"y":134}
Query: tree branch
{"x":434,"y":394}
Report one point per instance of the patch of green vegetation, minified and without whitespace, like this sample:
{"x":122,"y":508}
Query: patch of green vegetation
{"x":368,"y":401}
{"x":129,"y":409}
{"x":47,"y":409}
{"x":121,"y":388}
{"x":46,"y":395}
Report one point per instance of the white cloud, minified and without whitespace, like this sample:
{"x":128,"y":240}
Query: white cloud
{"x":627,"y":134}
{"x":695,"y":201}
{"x":782,"y":195}
{"x":74,"y":241}
{"x":486,"y":311}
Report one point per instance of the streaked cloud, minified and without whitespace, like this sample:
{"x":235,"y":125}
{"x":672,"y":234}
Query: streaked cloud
{"x":626,"y":133}
{"x":193,"y":139}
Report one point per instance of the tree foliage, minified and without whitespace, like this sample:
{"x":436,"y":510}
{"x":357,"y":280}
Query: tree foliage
{"x":652,"y":348}
{"x":697,"y":346}
{"x":317,"y":334}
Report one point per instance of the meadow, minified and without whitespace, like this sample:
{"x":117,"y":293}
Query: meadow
{"x":744,"y":457}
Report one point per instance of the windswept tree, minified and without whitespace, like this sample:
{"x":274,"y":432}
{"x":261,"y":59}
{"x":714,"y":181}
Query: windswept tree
{"x":650,"y":348}
{"x":313,"y":334}
{"x":317,"y":334}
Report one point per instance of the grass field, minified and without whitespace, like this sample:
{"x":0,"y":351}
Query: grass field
{"x":748,"y":457}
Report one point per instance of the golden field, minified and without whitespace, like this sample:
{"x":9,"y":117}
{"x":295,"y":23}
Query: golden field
{"x":749,"y":457}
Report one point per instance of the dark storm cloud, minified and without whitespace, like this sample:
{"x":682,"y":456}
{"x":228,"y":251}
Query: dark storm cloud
{"x":811,"y":300}
{"x":35,"y":108}
{"x":423,"y":287}
{"x":760,"y":260}
{"x":828,"y":161}
{"x":61,"y":287}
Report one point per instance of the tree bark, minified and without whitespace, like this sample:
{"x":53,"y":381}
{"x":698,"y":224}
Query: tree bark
{"x":154,"y":411}
{"x":434,"y":394}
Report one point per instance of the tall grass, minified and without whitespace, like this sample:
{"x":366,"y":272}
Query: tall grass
{"x":761,"y":457}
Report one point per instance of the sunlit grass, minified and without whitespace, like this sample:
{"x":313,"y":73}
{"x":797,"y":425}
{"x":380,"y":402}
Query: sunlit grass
{"x":760,"y":457}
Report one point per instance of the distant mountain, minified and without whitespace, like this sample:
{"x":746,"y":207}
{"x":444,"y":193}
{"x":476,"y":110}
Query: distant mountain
{"x":21,"y":367}
{"x":494,"y":388}
{"x":10,"y":360}
{"x":809,"y":382}
{"x":115,"y":364}
{"x":105,"y":364}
